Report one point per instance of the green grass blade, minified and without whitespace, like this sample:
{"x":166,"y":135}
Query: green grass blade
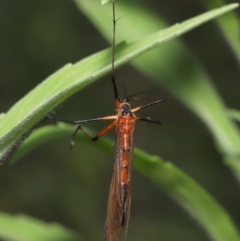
{"x":191,"y":196}
{"x":71,"y":78}
{"x":177,"y":69}
{"x":24,"y":228}
{"x":229,"y":25}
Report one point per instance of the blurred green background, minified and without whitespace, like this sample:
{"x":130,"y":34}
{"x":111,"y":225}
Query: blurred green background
{"x":37,"y":38}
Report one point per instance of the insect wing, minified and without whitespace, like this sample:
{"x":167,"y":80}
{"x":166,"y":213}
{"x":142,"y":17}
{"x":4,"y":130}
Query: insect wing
{"x":119,"y":201}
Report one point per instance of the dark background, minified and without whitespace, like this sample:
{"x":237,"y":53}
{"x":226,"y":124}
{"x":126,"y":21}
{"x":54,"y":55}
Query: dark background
{"x":37,"y":38}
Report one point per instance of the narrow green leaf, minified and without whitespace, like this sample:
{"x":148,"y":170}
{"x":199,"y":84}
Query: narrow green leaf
{"x":181,"y":187}
{"x":175,"y":67}
{"x":21,"y":227}
{"x":190,"y":195}
{"x":71,"y":78}
{"x":229,"y":25}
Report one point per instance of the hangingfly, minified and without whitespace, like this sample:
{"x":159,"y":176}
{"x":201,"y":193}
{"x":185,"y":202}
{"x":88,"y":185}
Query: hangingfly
{"x":119,"y":200}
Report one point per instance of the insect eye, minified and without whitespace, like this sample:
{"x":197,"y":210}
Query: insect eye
{"x":126,"y":113}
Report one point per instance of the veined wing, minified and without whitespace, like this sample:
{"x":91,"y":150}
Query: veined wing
{"x":119,"y":201}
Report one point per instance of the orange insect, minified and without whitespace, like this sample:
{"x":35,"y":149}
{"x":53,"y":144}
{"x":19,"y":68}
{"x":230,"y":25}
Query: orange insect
{"x":119,"y":200}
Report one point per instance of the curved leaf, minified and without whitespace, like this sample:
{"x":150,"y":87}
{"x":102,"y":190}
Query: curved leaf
{"x":71,"y":78}
{"x":176,"y":68}
{"x":21,"y":227}
{"x":181,"y":187}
